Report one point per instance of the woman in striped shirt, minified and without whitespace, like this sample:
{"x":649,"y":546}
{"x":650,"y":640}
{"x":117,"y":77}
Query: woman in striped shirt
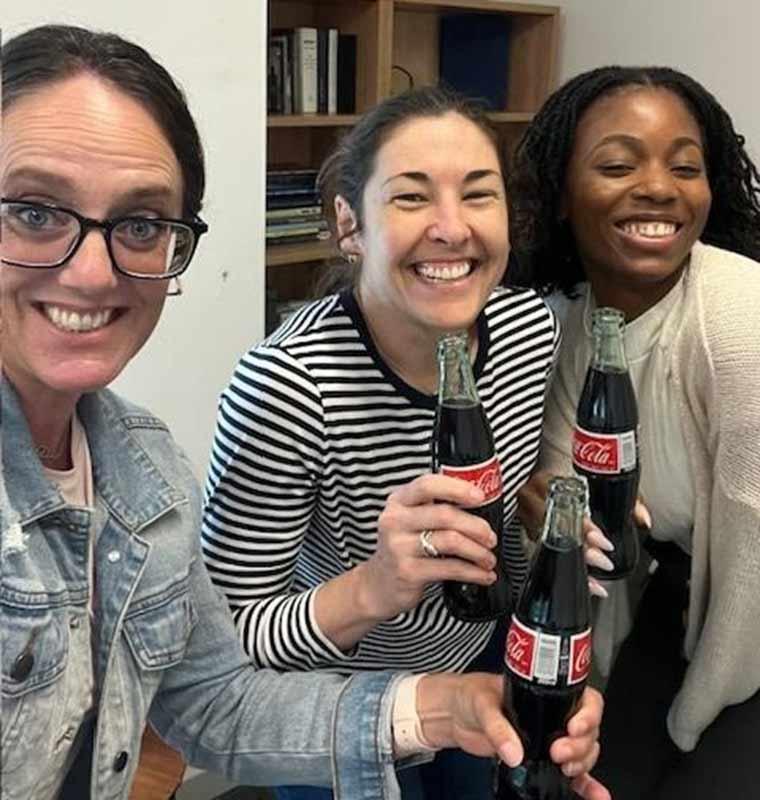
{"x":319,"y":485}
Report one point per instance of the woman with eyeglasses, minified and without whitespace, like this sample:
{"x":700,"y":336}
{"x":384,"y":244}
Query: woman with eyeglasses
{"x":107,"y":616}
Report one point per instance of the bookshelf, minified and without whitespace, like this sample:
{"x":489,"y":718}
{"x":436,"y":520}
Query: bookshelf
{"x":404,"y":33}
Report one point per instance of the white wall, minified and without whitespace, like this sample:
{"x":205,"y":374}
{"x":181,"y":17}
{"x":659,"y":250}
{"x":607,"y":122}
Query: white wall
{"x":216,"y":51}
{"x":714,"y":41}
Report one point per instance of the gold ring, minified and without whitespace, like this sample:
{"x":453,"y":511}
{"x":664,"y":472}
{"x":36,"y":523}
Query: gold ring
{"x":429,"y":550}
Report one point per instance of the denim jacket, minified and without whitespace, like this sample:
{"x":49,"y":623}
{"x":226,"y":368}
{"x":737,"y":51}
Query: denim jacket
{"x":166,"y":647}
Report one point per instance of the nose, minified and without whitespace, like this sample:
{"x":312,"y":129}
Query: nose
{"x":450,"y":225}
{"x":90,"y":270}
{"x":656,"y":184}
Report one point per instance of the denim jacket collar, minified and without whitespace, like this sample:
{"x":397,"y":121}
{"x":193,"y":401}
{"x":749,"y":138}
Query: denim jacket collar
{"x":131,"y":483}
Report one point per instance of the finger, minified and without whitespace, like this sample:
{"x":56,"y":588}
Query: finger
{"x":579,"y":751}
{"x":448,"y":521}
{"x":641,"y":515}
{"x":454,"y":544}
{"x":442,"y":488}
{"x":595,"y":538}
{"x":589,"y":788}
{"x":589,"y":714}
{"x":597,"y":589}
{"x":596,"y":558}
{"x":434,"y":570}
{"x":584,"y":764}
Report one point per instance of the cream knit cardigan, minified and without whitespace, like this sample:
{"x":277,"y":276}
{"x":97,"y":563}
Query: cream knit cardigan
{"x":715,"y":367}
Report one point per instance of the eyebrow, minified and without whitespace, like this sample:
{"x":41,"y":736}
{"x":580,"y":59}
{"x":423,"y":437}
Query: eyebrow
{"x":52,"y":181}
{"x":633,"y":141}
{"x":423,"y":177}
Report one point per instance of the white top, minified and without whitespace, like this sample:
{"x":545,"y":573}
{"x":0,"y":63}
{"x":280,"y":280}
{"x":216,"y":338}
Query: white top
{"x":667,"y":482}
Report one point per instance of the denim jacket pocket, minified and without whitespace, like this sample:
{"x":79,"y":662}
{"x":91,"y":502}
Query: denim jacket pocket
{"x":34,"y":647}
{"x":158,"y":628}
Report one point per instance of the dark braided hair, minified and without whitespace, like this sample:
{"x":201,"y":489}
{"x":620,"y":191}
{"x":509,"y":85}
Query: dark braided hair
{"x":544,"y":252}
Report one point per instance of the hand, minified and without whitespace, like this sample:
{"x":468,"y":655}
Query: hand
{"x":531,"y":504}
{"x":473,"y":720}
{"x":394,"y":578}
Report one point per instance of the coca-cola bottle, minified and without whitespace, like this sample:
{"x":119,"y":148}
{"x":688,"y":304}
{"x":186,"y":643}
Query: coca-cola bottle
{"x":605,"y":443}
{"x":463,"y":448}
{"x":548,"y":650}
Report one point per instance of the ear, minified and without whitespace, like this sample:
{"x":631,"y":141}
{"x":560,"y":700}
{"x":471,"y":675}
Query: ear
{"x":347,"y":226}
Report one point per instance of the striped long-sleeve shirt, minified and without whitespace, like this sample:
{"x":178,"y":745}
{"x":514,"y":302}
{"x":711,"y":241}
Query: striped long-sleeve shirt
{"x":313,"y":433}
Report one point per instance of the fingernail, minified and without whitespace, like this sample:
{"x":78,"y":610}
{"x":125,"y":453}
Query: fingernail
{"x":600,"y":560}
{"x":510,"y":754}
{"x":605,"y":543}
{"x":646,"y":518}
{"x":476,"y":495}
{"x":569,"y":769}
{"x":597,"y":589}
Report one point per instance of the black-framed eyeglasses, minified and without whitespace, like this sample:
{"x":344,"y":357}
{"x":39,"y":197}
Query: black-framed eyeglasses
{"x":45,"y":236}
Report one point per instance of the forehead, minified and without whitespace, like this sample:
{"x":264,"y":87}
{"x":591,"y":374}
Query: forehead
{"x":89,"y":134}
{"x":640,"y":111}
{"x":430,"y":144}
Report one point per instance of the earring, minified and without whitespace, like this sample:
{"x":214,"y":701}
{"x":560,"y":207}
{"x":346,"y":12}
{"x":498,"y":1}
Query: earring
{"x":174,"y":290}
{"x":351,"y":258}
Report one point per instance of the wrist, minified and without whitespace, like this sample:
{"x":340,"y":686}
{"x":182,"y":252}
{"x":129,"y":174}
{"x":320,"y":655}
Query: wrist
{"x":436,"y":695}
{"x":364,"y":598}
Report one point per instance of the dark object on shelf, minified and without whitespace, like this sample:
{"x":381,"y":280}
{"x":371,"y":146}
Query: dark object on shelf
{"x":474,"y":56}
{"x":346,"y":73}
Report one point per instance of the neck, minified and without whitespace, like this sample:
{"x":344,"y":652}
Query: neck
{"x":632,"y":300}
{"x":411,"y":354}
{"x":49,"y":419}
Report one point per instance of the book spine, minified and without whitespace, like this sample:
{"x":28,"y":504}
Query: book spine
{"x":346,"y":73}
{"x":305,"y":70}
{"x":322,"y":67}
{"x":332,"y":71}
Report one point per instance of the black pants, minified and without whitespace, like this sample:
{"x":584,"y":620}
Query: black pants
{"x":638,"y":759}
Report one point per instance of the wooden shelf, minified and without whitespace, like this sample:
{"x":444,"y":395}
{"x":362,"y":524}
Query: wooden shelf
{"x":311,"y":120}
{"x":403,"y":33}
{"x":281,"y":255}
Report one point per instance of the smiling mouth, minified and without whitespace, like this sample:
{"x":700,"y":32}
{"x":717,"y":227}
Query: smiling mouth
{"x":443,"y":272}
{"x":649,"y":229}
{"x":70,"y":321}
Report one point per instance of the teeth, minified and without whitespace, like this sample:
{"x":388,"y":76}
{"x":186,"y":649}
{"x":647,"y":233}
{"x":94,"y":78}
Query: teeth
{"x":653,"y":230}
{"x":444,"y":272}
{"x":74,"y":322}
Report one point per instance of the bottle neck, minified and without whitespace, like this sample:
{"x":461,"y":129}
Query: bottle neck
{"x":565,"y":507}
{"x":456,"y":385}
{"x":609,"y":348}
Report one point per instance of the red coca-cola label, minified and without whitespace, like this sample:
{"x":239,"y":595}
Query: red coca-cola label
{"x":604,"y":453}
{"x":580,"y":657}
{"x":486,"y":476}
{"x":546,"y":658}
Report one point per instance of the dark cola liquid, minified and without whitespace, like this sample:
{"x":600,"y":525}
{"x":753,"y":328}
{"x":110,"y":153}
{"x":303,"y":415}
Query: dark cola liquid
{"x":608,"y":405}
{"x":463,"y":437}
{"x":554,"y":600}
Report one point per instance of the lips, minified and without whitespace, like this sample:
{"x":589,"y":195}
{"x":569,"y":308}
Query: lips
{"x":444,"y":271}
{"x":77,"y":321}
{"x":649,"y":229}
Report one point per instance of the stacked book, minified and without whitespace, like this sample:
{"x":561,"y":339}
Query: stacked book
{"x":311,"y":71}
{"x":294,"y":210}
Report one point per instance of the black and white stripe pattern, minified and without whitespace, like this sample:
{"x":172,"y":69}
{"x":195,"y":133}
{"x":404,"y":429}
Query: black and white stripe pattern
{"x":313,"y":433}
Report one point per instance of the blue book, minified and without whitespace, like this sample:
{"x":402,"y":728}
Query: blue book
{"x":474,"y":56}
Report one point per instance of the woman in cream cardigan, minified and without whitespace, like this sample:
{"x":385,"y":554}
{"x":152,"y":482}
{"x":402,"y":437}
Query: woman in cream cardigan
{"x":631,"y":189}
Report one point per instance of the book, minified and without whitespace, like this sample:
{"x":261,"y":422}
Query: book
{"x":274,"y":77}
{"x":332,"y":71}
{"x":305,"y":70}
{"x":284,"y":40}
{"x":474,"y":56}
{"x":280,"y":228}
{"x":286,"y":179}
{"x":346,"y":73}
{"x":322,"y":36}
{"x":298,"y":212}
{"x":299,"y":199}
